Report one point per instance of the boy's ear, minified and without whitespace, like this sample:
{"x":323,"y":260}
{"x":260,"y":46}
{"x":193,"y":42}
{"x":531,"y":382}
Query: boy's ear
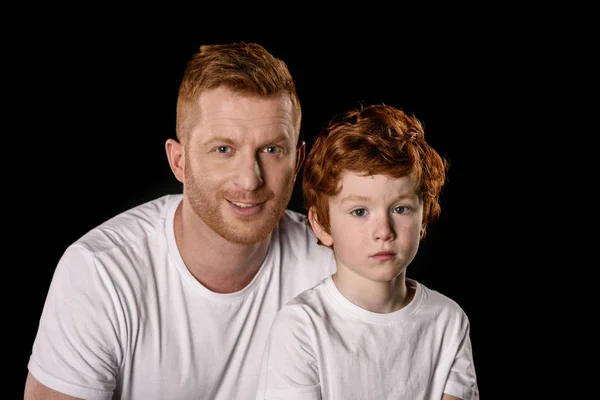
{"x":323,"y":236}
{"x":300,"y":155}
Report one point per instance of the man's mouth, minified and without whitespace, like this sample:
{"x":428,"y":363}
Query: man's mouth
{"x":244,"y":205}
{"x":247,"y":209}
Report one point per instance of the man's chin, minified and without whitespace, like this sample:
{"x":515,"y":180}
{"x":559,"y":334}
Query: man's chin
{"x":247,"y":237}
{"x":248,"y":227}
{"x":243,"y":230}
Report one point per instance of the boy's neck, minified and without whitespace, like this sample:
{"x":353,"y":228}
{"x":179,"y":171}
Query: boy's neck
{"x":378,"y":297}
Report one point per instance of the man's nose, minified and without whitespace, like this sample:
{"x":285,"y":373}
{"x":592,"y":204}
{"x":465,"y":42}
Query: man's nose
{"x":249,"y":173}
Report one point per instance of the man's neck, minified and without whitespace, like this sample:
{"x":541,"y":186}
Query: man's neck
{"x":219,"y":265}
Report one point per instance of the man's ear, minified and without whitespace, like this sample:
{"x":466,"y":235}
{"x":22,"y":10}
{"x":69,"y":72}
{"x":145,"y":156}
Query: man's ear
{"x":300,"y":154}
{"x":322,"y":235}
{"x":176,"y":158}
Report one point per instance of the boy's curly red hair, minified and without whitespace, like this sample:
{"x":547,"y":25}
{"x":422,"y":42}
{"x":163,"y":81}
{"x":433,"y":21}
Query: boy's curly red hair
{"x":374,"y":140}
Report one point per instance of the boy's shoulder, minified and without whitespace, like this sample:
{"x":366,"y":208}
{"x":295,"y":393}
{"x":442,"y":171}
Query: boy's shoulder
{"x":438,"y":302}
{"x":309,"y":304}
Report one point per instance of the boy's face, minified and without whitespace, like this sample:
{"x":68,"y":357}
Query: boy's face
{"x":375,"y":226}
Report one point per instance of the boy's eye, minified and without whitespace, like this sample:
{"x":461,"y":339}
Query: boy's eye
{"x":359,"y":212}
{"x":401,"y":210}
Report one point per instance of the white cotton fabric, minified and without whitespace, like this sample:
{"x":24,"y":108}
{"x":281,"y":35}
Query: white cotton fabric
{"x":125,"y":319}
{"x":322,"y":346}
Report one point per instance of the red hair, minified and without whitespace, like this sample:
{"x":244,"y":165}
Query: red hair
{"x":374,"y":140}
{"x":246,"y":68}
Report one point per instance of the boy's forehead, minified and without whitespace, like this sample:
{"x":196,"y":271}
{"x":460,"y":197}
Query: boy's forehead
{"x":362,"y":184}
{"x":352,"y":176}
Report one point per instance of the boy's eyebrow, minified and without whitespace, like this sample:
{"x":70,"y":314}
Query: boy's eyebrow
{"x":354,"y":197}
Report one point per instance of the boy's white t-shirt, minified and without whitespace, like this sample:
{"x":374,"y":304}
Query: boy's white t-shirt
{"x":125,"y":319}
{"x":322,"y":346}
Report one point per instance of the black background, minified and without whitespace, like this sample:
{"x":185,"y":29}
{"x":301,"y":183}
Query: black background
{"x":96,"y":106}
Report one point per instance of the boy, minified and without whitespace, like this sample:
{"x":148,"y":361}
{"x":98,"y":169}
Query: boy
{"x":371,"y":185}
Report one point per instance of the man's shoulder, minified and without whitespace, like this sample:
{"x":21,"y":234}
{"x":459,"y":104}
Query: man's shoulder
{"x":299,"y":245}
{"x":293,"y":222}
{"x":293,"y":228}
{"x":129,"y":226}
{"x":294,"y":217}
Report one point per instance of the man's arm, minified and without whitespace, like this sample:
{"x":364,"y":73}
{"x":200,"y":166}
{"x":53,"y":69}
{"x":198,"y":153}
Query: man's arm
{"x":450,"y":397}
{"x":34,"y":390}
{"x":77,"y":347}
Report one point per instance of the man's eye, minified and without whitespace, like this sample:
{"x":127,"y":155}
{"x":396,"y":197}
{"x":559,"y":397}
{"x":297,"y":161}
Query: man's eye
{"x":222,"y":149}
{"x":359,"y":212}
{"x":272,"y":149}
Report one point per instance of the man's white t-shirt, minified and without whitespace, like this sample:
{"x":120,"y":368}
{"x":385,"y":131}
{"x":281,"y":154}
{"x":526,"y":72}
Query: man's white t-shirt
{"x":322,"y":346}
{"x":125,"y":319}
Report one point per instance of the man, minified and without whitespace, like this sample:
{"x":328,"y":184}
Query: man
{"x":174,"y":298}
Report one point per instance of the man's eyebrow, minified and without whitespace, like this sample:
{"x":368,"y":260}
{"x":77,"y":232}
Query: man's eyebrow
{"x":280,"y":137}
{"x":218,"y":139}
{"x":229,"y":140}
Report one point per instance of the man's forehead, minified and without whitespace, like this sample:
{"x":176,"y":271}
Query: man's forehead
{"x":223,"y":106}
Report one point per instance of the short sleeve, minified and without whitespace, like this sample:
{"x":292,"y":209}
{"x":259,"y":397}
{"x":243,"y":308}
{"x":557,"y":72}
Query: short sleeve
{"x":76,"y":350}
{"x":289,"y":368}
{"x":462,"y":379}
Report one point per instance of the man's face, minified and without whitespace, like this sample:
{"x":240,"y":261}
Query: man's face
{"x":240,"y":164}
